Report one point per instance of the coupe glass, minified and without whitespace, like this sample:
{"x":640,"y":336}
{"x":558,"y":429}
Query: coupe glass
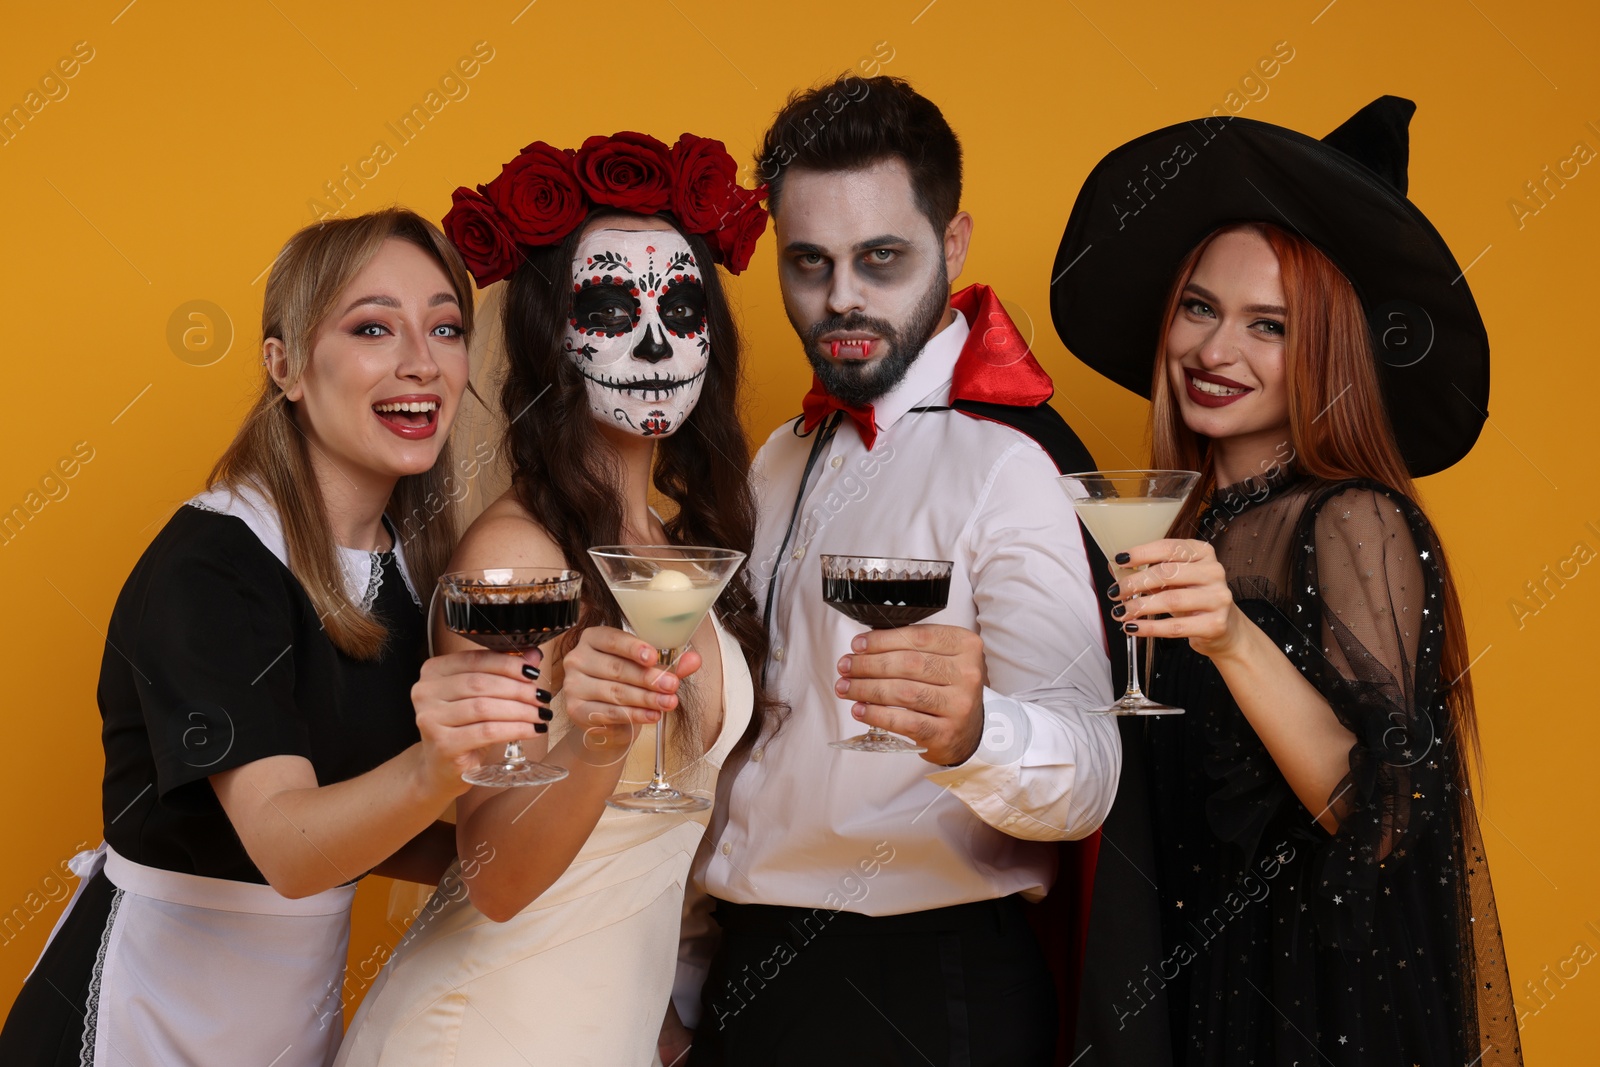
{"x":510,"y":610}
{"x":884,"y":592}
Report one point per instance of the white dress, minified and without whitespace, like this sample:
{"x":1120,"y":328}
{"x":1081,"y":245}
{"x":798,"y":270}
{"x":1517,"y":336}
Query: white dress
{"x":583,"y":974}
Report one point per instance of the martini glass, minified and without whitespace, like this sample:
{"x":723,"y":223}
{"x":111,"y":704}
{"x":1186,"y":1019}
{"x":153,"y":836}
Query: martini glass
{"x":1124,"y":509}
{"x":884,"y":593}
{"x":510,"y":610}
{"x":665,"y":591}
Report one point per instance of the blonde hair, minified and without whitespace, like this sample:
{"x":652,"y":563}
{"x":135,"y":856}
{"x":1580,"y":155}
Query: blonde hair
{"x":270,"y":452}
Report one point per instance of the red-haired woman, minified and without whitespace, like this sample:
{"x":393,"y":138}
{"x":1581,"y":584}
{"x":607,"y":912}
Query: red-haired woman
{"x":1322,"y":887}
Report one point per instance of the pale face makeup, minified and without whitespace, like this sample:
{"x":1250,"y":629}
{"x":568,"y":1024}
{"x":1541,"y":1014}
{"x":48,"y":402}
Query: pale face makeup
{"x":637,"y":332}
{"x":1225,"y":351}
{"x":865,"y":277}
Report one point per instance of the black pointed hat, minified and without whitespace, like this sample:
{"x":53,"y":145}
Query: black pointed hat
{"x":1148,"y":203}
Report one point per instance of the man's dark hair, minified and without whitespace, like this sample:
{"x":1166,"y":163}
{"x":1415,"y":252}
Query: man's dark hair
{"x":855,"y":122}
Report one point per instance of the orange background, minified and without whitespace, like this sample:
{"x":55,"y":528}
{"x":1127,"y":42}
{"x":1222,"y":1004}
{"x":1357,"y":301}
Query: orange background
{"x":173,"y":163}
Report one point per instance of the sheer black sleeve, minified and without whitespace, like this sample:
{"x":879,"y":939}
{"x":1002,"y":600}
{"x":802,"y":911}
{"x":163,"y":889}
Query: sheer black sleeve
{"x":1367,"y":586}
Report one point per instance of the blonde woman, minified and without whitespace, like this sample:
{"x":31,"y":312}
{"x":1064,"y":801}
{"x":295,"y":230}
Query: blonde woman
{"x":267,"y":739}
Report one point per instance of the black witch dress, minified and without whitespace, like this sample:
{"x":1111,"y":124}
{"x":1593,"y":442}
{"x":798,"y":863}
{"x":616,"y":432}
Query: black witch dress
{"x":1283,"y":944}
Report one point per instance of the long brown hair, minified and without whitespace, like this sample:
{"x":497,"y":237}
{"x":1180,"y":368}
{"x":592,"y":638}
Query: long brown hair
{"x":565,"y":472}
{"x":1338,"y":427}
{"x":270,"y":453}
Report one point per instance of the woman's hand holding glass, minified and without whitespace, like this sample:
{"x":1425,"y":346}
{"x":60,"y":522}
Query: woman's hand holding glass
{"x":612,"y":685}
{"x":1184,"y":580}
{"x":472,"y":700}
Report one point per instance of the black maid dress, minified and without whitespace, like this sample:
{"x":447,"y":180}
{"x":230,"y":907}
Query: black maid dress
{"x":215,"y":657}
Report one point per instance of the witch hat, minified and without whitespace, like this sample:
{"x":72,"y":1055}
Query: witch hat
{"x":1148,"y":203}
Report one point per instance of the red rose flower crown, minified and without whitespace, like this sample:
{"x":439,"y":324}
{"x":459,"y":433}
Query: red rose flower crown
{"x":545,"y":193}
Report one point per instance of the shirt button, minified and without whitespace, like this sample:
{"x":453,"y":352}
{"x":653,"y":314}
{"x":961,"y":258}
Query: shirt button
{"x":756,"y":756}
{"x":777,"y":654}
{"x":726,"y":848}
{"x":800,"y":553}
{"x":838,"y":461}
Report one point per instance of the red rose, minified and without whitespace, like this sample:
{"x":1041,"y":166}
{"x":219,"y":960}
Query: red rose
{"x":704,"y":183}
{"x":631,"y":171}
{"x":479,"y":234}
{"x":735,"y":240}
{"x":538,"y":195}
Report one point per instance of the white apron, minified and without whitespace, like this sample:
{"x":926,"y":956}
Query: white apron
{"x":198,"y":972}
{"x":205,"y":971}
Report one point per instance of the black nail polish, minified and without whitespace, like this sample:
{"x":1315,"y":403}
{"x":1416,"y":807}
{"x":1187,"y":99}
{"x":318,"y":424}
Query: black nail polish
{"x":541,"y":728}
{"x":1130,"y":627}
{"x":1122,"y":558}
{"x":1115,"y":590}
{"x":1119,"y":611}
{"x":544,"y":695}
{"x":546,"y":714}
{"x":530,"y":672}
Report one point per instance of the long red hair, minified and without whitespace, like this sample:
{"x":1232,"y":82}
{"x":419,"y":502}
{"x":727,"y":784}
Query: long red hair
{"x":1338,"y":426}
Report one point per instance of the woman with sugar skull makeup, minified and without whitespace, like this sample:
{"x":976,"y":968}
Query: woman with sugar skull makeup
{"x":622,"y":366}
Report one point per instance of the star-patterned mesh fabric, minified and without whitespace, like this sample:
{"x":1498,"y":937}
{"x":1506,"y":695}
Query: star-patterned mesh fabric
{"x":1285,"y":944}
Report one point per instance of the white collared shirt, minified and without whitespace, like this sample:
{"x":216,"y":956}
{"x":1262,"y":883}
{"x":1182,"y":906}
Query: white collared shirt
{"x":805,"y":823}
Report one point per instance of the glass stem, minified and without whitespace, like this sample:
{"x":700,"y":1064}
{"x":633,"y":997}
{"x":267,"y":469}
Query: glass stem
{"x":1133,"y":693}
{"x":1134,"y":696}
{"x":513,"y":753}
{"x":669,"y":659}
{"x":878,"y":733}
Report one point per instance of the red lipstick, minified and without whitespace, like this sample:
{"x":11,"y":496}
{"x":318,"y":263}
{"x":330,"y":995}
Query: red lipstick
{"x":414,"y":416}
{"x":1211,"y":400}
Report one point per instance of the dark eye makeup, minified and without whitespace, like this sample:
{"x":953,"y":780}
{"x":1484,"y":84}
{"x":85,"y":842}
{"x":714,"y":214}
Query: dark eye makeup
{"x":606,"y":307}
{"x":683,"y":307}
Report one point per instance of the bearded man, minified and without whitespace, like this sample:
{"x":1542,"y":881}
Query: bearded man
{"x":868,"y":905}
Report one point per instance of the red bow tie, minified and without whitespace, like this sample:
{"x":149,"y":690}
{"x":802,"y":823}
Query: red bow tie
{"x":818,"y":404}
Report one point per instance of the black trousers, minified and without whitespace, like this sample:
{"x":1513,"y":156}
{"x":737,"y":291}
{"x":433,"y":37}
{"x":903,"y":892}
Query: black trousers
{"x":963,"y":986}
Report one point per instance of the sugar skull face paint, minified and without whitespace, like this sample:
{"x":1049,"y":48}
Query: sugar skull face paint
{"x":637,"y":331}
